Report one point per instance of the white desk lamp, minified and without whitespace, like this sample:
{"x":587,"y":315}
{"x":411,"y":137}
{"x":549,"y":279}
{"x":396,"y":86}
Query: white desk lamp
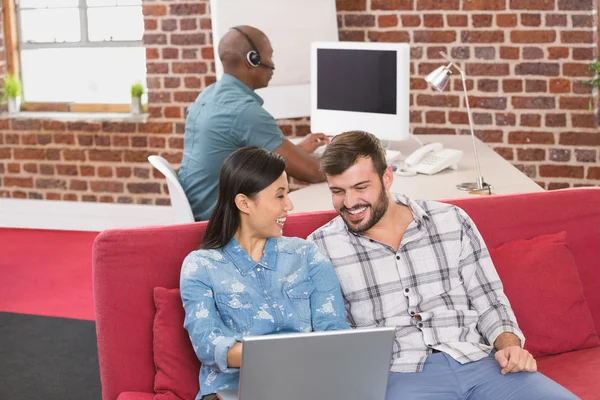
{"x":438,"y":79}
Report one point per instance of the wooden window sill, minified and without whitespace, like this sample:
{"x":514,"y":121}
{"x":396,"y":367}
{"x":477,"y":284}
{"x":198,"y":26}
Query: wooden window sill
{"x":76,"y":116}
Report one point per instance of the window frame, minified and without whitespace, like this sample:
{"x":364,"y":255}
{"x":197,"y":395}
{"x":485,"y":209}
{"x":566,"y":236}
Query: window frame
{"x":14,"y":45}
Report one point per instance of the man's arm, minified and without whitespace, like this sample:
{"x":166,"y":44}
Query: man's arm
{"x":507,"y":339}
{"x":300,"y":164}
{"x":483,"y":286}
{"x":257,"y":127}
{"x":497,"y":322}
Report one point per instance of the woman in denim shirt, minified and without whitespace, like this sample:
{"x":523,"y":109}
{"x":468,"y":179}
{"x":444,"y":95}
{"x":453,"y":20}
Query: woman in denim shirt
{"x":247,"y":279}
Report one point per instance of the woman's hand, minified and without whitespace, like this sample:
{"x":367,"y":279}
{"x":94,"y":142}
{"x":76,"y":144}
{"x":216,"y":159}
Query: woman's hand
{"x":234,"y":356}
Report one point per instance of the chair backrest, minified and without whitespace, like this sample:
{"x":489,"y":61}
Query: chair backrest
{"x":179,"y":201}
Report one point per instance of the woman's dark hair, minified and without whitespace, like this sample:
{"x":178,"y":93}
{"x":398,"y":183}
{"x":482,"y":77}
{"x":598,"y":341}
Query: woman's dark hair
{"x":246,"y":171}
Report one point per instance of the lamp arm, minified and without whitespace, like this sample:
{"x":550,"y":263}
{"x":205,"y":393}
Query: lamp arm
{"x":450,"y":61}
{"x":464,"y":82}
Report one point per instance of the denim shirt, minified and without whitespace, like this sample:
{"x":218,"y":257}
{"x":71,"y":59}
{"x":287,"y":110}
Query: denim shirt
{"x":228,"y":296}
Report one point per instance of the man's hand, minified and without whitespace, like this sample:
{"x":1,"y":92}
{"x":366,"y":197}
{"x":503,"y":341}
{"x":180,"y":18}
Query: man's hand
{"x":313,"y":141}
{"x":515,"y":359}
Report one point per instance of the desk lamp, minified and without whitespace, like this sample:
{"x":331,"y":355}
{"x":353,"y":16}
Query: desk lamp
{"x":438,"y":79}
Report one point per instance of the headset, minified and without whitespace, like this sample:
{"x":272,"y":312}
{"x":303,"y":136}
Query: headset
{"x":253,"y":56}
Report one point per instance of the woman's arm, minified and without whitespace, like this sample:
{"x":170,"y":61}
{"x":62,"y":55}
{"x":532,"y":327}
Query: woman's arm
{"x":211,"y":339}
{"x":326,"y":303}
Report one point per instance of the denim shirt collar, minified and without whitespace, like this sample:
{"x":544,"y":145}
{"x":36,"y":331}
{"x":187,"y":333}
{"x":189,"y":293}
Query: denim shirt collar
{"x":232,"y":80}
{"x":242,"y":260}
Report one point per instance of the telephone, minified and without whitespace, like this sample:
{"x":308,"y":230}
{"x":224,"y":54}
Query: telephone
{"x":431,"y":159}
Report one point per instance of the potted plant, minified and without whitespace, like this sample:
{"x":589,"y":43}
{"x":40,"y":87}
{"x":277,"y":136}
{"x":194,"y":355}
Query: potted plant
{"x":594,"y":83}
{"x":137,"y":90}
{"x":12,"y":93}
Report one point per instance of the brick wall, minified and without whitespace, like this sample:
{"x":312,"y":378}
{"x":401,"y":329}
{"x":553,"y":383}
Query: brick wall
{"x":526,"y":61}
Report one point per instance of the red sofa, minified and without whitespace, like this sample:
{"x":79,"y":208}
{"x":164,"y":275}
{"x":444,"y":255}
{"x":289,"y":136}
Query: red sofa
{"x":553,"y":287}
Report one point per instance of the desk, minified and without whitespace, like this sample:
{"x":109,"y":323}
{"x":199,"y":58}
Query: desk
{"x":498,"y":172}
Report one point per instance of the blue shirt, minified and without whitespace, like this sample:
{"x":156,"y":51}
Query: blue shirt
{"x":226,"y":116}
{"x":227,"y":296}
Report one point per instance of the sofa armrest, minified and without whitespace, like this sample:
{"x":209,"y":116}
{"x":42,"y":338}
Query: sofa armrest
{"x":135,"y":396}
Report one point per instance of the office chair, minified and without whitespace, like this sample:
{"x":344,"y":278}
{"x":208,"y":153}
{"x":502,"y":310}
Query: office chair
{"x":179,"y":201}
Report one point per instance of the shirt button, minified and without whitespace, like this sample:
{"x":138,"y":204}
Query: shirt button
{"x":406,"y":290}
{"x":305,"y":292}
{"x":412,"y":313}
{"x":371,"y":240}
{"x":258,"y":269}
{"x":274,"y":305}
{"x":266,"y":292}
{"x":420,"y":325}
{"x":397,"y":257}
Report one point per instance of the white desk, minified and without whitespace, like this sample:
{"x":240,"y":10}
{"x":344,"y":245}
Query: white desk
{"x":498,"y":172}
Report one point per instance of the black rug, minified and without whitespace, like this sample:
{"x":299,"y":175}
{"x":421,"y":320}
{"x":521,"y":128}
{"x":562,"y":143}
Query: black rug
{"x":48,"y":358}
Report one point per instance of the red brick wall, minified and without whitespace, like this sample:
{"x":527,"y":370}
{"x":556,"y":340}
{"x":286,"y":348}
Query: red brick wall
{"x":526,"y":61}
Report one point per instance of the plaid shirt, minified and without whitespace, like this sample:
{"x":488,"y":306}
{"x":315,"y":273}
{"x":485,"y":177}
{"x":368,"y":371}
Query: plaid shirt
{"x":442,"y":273}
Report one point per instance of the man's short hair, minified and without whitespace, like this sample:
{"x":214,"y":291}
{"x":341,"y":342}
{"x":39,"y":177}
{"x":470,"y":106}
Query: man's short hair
{"x":346,"y":148}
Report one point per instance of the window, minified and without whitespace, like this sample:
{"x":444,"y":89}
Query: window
{"x":80,"y":51}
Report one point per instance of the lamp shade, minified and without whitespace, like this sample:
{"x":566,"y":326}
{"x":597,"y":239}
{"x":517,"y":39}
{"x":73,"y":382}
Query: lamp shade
{"x":439,"y":78}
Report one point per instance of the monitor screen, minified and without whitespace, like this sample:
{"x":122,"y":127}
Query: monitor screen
{"x":357,"y":80}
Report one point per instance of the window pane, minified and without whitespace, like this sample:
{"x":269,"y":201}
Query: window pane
{"x":50,"y":25}
{"x":115,"y":23}
{"x":82,"y":75}
{"x":100,"y":3}
{"x":48,"y":3}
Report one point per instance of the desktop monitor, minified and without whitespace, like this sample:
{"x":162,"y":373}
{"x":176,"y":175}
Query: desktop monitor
{"x":360,"y":86}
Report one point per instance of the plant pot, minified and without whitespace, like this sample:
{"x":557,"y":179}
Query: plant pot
{"x":14,"y":105}
{"x":136,"y":105}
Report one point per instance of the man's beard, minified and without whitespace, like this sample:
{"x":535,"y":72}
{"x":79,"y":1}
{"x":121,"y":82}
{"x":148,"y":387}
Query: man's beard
{"x":378,"y":209}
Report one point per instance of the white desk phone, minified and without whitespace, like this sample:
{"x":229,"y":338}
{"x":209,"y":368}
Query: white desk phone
{"x":430,"y":159}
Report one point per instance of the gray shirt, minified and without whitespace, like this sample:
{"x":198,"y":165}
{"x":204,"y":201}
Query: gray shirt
{"x":226,"y":116}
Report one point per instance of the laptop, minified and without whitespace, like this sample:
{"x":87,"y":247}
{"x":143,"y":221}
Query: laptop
{"x":334,"y":365}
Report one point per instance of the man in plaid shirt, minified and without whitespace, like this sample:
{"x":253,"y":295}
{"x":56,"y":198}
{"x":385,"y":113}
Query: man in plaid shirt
{"x":423,"y":267}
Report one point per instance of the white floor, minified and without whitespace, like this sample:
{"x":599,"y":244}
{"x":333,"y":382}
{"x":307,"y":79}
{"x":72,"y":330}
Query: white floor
{"x":80,"y":216}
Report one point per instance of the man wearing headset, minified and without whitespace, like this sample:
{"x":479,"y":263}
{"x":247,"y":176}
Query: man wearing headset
{"x":229,"y":114}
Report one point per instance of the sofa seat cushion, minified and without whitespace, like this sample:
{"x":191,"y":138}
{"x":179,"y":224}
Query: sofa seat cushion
{"x":542,"y":283}
{"x":135,"y":396}
{"x":575,"y":370}
{"x":177,"y":367}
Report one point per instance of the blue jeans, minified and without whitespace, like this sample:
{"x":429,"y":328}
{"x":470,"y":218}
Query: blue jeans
{"x":444,"y":378}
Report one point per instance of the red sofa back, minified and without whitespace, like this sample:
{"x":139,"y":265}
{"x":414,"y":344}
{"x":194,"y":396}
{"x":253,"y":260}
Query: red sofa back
{"x":129,"y":263}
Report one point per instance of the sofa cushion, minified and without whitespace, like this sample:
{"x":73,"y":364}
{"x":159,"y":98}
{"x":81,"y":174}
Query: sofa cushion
{"x":576,"y":370}
{"x":135,"y":396}
{"x":543,"y":286}
{"x":177,"y":366}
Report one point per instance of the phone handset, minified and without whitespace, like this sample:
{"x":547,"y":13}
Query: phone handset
{"x":430,"y":159}
{"x":418,"y":155}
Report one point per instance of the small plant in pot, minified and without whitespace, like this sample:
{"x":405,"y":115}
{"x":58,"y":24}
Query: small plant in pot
{"x":12,"y":93}
{"x":137,"y":90}
{"x":594,"y":83}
